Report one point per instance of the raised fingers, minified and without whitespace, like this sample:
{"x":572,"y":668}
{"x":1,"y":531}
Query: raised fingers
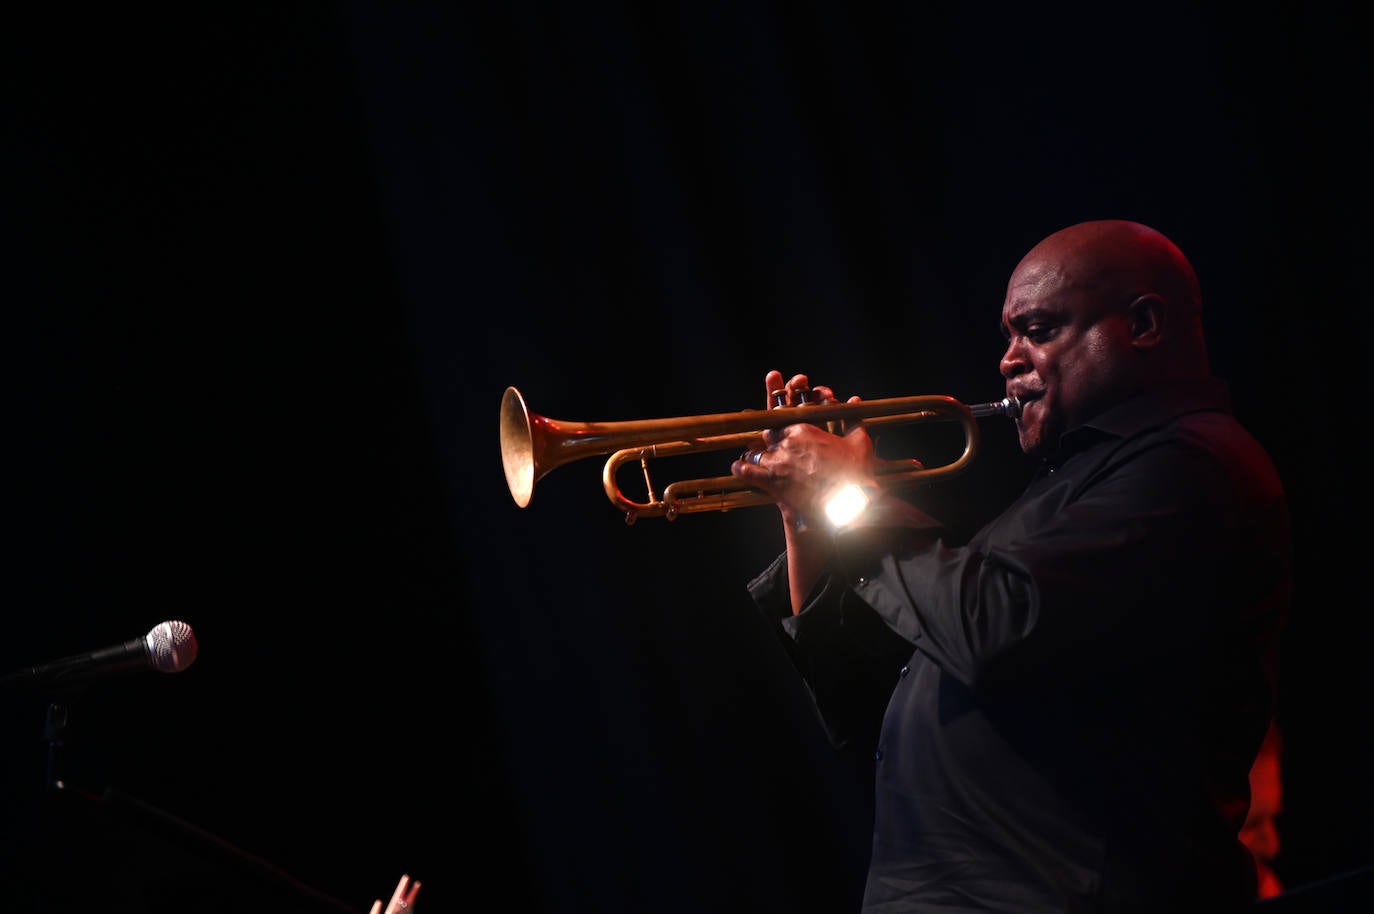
{"x":798,"y":390}
{"x":772,"y":382}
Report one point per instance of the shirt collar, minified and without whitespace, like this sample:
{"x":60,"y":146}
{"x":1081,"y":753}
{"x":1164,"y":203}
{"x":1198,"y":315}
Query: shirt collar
{"x":1148,"y":410}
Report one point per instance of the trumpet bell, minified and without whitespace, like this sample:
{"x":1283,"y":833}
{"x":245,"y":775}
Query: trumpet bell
{"x":517,"y":446}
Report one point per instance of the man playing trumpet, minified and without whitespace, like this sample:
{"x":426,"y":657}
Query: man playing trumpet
{"x":1063,"y":710}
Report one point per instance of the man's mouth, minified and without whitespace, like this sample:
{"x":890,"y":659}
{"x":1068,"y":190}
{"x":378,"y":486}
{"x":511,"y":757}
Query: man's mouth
{"x":1025,"y":399}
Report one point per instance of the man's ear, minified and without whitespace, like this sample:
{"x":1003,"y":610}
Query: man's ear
{"x":1146,"y":319}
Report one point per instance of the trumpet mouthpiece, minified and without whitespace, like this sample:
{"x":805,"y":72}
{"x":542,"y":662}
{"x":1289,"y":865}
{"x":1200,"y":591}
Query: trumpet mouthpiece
{"x":1007,"y":406}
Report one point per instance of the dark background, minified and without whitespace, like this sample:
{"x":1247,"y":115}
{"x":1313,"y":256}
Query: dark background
{"x":268,"y":271}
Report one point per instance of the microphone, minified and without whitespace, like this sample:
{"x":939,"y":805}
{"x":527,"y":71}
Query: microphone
{"x":169,"y":647}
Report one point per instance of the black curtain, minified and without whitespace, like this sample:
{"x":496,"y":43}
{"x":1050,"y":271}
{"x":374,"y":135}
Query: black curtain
{"x":271,"y":269}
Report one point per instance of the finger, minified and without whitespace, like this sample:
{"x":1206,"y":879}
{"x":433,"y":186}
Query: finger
{"x":771,"y":381}
{"x":376,"y":908}
{"x":398,"y":896}
{"x":850,"y":424}
{"x":749,"y":468}
{"x":822,"y":395}
{"x":799,"y":385}
{"x":750,"y":457}
{"x":754,"y":473}
{"x":773,"y":437}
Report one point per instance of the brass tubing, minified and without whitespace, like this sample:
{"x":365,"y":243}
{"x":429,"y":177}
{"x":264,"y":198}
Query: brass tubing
{"x":533,"y":445}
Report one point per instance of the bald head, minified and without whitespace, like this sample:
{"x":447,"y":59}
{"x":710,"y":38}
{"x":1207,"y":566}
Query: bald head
{"x":1095,"y":314}
{"x":1116,"y":263}
{"x":1116,"y":258}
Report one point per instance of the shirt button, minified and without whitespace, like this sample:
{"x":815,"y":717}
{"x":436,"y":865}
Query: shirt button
{"x":877,"y":755}
{"x":904,"y":671}
{"x":862,"y":581}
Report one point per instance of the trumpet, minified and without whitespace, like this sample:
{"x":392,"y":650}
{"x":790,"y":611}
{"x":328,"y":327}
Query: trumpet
{"x":533,"y":445}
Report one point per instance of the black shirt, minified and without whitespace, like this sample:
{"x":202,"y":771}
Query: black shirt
{"x":1086,"y":681}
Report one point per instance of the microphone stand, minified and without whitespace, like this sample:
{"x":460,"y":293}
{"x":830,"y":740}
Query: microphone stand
{"x":128,"y":809}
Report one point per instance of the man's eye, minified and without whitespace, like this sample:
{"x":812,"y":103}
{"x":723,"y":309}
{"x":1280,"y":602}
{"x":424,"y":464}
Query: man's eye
{"x":1040,"y":333}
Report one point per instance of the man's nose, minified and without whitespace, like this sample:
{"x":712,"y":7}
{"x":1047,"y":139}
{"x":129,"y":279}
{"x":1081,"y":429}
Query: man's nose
{"x":1014,"y":361}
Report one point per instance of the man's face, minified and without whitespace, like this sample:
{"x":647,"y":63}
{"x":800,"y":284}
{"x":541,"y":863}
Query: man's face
{"x":1068,"y":346}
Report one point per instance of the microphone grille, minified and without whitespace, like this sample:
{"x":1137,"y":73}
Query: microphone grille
{"x":172,"y":646}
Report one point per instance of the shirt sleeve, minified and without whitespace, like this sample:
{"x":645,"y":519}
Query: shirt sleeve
{"x":1071,"y":582}
{"x":847,"y":654}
